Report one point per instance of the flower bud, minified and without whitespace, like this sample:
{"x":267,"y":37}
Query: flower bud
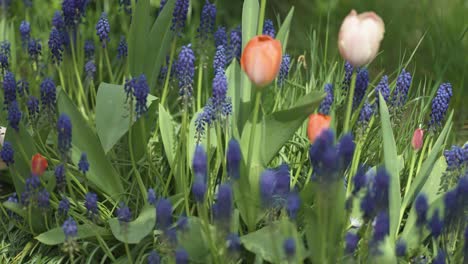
{"x":317,"y":124}
{"x":360,"y":36}
{"x":261,"y":59}
{"x":417,"y":141}
{"x":38,"y":165}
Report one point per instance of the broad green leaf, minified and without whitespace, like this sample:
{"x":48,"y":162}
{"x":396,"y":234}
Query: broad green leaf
{"x":250,"y":11}
{"x":24,"y":148}
{"x":138,"y":35}
{"x":159,"y":40}
{"x":233,"y":74}
{"x":167,"y":133}
{"x":113,"y":114}
{"x":101,"y":173}
{"x":283,"y":32}
{"x":133,"y":232}
{"x":16,"y":208}
{"x":56,"y":236}
{"x":392,"y":165}
{"x":428,"y":164}
{"x":432,"y":184}
{"x":267,"y":242}
{"x":280,"y":126}
{"x":37,"y":219}
{"x":195,"y":241}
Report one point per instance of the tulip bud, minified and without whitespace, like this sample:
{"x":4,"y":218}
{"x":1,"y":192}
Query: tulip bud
{"x":417,"y":141}
{"x":360,"y":36}
{"x":317,"y":124}
{"x":3,"y":166}
{"x":261,"y":59}
{"x":38,"y":165}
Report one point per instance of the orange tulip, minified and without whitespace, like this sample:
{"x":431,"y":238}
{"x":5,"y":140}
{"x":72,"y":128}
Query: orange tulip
{"x":38,"y":165}
{"x":317,"y":124}
{"x":417,"y":141}
{"x":261,"y":59}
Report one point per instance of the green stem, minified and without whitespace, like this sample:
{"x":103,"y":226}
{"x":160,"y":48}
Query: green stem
{"x":183,"y":161}
{"x":199,"y":85}
{"x":29,"y":219}
{"x":408,"y":186}
{"x":129,"y":255}
{"x":169,"y":69}
{"x":132,"y":157}
{"x":109,"y":65}
{"x":258,"y":96}
{"x":261,"y":17}
{"x":349,"y":107}
{"x":423,"y":152}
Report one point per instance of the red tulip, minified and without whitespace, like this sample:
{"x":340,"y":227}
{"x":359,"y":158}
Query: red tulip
{"x":38,"y":165}
{"x":261,"y":59}
{"x":317,"y":124}
{"x":360,"y":36}
{"x":417,"y":141}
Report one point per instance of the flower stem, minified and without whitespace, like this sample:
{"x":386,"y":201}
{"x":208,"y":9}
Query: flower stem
{"x":199,"y":85}
{"x":109,"y":65}
{"x":169,"y":69}
{"x":258,"y":96}
{"x":261,"y":17}
{"x":132,"y":157}
{"x":129,"y":255}
{"x":349,"y":107}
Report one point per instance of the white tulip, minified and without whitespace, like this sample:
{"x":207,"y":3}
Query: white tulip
{"x":360,"y":36}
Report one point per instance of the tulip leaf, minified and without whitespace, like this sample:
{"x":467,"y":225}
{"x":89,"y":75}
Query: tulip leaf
{"x":56,"y":236}
{"x":267,"y":243}
{"x":283,"y":32}
{"x":392,"y":166}
{"x":166,"y":125}
{"x":24,"y":149}
{"x":427,"y":166}
{"x":138,"y":34}
{"x":134,"y":231}
{"x":250,"y":11}
{"x":101,"y":173}
{"x":194,"y":241}
{"x":233,"y":75}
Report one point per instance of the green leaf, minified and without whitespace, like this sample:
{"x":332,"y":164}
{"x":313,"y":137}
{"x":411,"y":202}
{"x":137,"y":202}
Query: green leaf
{"x":233,"y":75}
{"x":159,"y":38}
{"x":194,"y":240}
{"x":283,"y":32}
{"x":113,"y":114}
{"x":16,"y":208}
{"x":56,"y":236}
{"x":167,"y":134}
{"x":267,"y":242}
{"x":280,"y":126}
{"x":24,"y":147}
{"x":101,"y":173}
{"x":133,"y":232}
{"x":392,"y":166}
{"x":428,"y":164}
{"x":250,"y":11}
{"x":138,"y":34}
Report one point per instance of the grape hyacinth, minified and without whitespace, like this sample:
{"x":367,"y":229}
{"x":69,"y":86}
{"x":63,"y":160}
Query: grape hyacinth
{"x":365,"y":114}
{"x":235,"y":44}
{"x":89,"y":49}
{"x":382,"y":88}
{"x":43,"y":199}
{"x":140,"y":92}
{"x":440,"y":105}
{"x":219,"y":60}
{"x":269,"y":28}
{"x":57,"y":21}
{"x":402,"y":87}
{"x":122,"y":49}
{"x":376,"y":197}
{"x":421,"y":207}
{"x":91,"y":205}
{"x":25,"y":31}
{"x":234,"y":159}
{"x":64,"y":206}
{"x":9,"y":88}
{"x":200,"y":170}
{"x":124,"y":215}
{"x":34,"y":49}
{"x":400,"y":249}
{"x":48,"y":94}
{"x":352,"y":241}
{"x":293,"y":204}
{"x":23,"y":87}
{"x":7,"y":153}
{"x":90,"y":69}
{"x":219,"y":91}
{"x":103,"y":29}
{"x":348,"y":69}
{"x":220,"y":37}
{"x":436,"y":224}
{"x":179,"y":16}
{"x":70,"y":229}
{"x":4,"y":63}
{"x":284,"y":70}
{"x":362,"y":82}
{"x":161,"y":5}
{"x":274,"y":186}
{"x":327,"y":102}
{"x":289,"y":246}
{"x":64,"y":131}
{"x":56,"y":45}
{"x":154,"y":258}
{"x":456,"y":158}
{"x":163,"y":214}
{"x":181,"y":256}
{"x":233,"y":243}
{"x":381,"y":226}
{"x":83,"y":164}
{"x":207,"y":21}
{"x":5,"y":47}
{"x":152,"y":197}
{"x":60,"y":177}
{"x":223,"y":207}
{"x":14,"y":115}
{"x":186,"y":71}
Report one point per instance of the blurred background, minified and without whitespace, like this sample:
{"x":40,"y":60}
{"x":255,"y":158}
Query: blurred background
{"x":440,"y":25}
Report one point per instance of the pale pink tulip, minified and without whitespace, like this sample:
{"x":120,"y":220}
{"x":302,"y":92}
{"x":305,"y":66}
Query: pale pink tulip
{"x":360,"y":36}
{"x":417,"y":141}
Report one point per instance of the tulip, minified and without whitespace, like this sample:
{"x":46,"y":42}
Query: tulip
{"x":417,"y":141}
{"x":317,"y":124}
{"x":3,"y":166}
{"x":360,"y":36}
{"x":38,"y":165}
{"x":261,"y":59}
